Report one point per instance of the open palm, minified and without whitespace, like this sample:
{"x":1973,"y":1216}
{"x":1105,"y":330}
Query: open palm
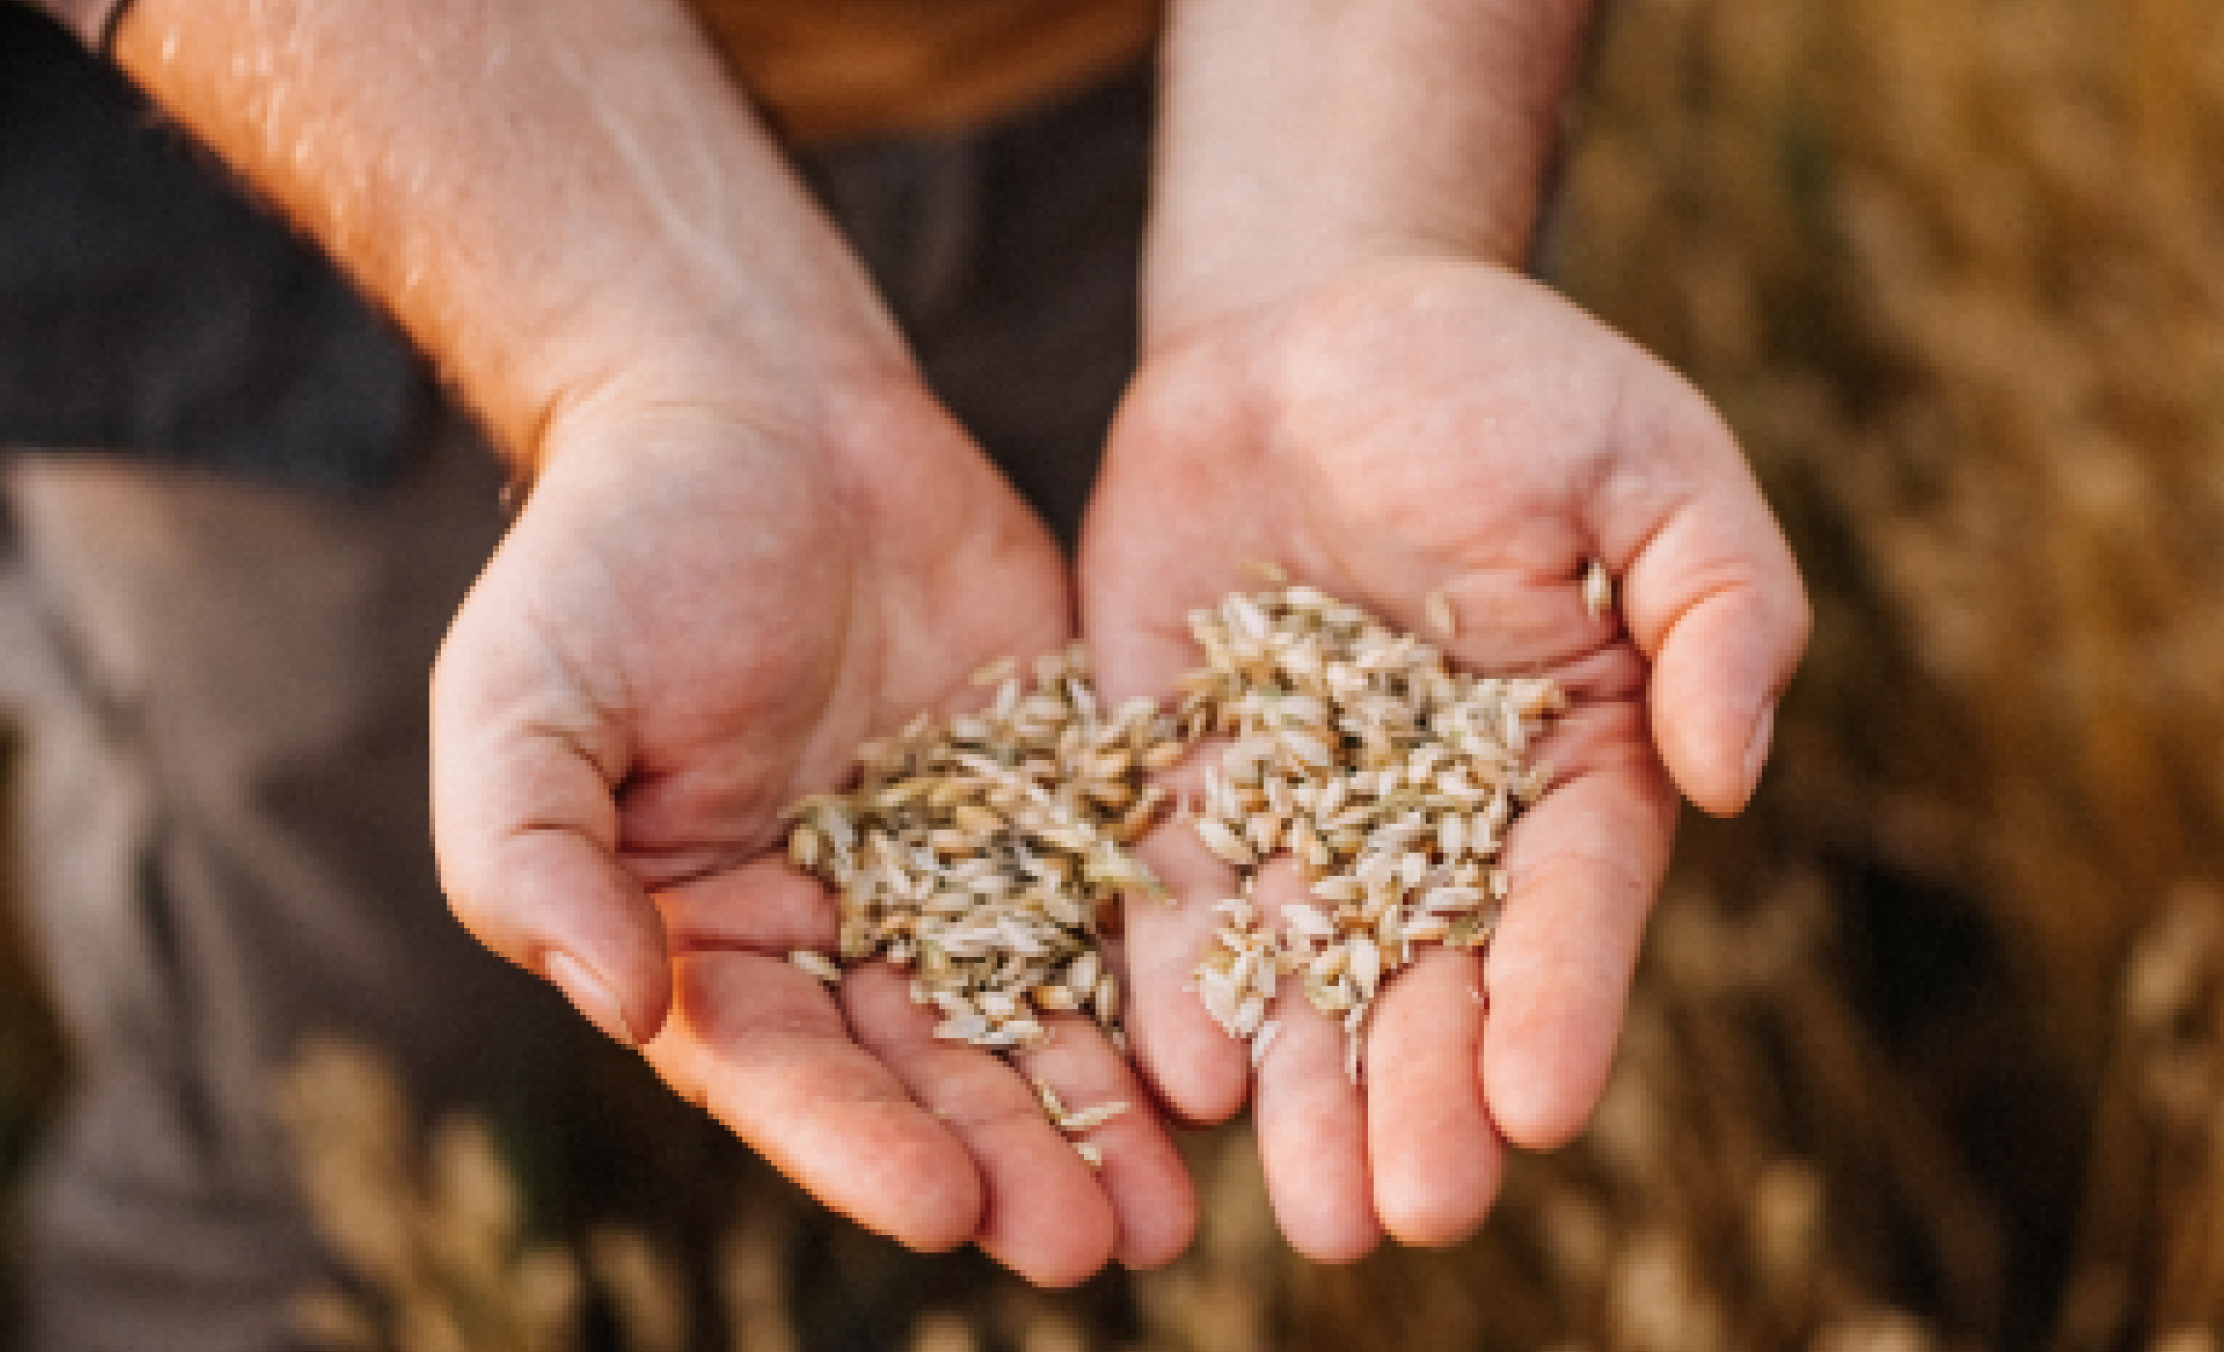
{"x":1445,"y":428}
{"x":698,"y":617}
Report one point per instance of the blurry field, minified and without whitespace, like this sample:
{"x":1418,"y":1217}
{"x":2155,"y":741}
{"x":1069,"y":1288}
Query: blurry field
{"x":1926,"y":1050}
{"x":30,"y":1053}
{"x":30,"y":1062}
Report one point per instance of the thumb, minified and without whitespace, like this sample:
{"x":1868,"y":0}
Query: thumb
{"x":1714,"y":600}
{"x":525,"y":829}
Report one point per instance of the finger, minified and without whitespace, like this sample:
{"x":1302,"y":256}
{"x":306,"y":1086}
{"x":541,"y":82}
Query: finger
{"x":1433,"y":1153}
{"x":1196,"y":1068}
{"x":1584,"y":865}
{"x":1310,"y":1118}
{"x":762,"y":1046}
{"x":1153,"y":1205}
{"x":525,"y":830}
{"x":1043,"y":1214}
{"x":1502,"y":617}
{"x":1712,"y":595}
{"x":770,"y":907}
{"x":766,"y":905}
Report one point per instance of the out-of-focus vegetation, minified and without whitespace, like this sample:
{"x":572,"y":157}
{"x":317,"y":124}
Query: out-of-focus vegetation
{"x":30,"y":1044}
{"x":1956,"y":272}
{"x":1928,"y":1050}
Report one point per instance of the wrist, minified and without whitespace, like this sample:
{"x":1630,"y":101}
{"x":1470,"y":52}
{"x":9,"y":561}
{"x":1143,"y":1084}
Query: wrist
{"x":652,"y":355}
{"x":1303,"y":140}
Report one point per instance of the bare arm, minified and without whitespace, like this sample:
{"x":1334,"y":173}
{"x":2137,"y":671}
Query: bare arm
{"x":1300,"y":137}
{"x":542,"y":192}
{"x":1345,"y":374}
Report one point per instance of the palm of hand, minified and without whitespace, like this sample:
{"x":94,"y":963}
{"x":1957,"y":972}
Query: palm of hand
{"x":1453,"y":429}
{"x":683,"y":634}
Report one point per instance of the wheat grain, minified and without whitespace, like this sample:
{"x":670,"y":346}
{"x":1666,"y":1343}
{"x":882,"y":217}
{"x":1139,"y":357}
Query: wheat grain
{"x":1390,"y":777}
{"x":1598,"y":590}
{"x":817,"y":964}
{"x":1441,"y":617}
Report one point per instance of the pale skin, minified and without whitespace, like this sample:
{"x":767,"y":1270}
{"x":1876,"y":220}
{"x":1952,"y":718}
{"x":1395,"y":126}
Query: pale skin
{"x":1345,"y":376}
{"x":755,"y":538}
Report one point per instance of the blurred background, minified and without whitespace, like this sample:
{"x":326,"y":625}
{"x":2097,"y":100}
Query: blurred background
{"x":1928,"y":1048}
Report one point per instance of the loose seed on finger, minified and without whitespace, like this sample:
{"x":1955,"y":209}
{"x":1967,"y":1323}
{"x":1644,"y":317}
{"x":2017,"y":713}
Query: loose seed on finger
{"x":1598,"y":590}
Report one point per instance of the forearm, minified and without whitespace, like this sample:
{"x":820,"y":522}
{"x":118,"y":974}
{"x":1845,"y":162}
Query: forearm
{"x":555,"y":197}
{"x":1300,"y":136}
{"x":88,"y":19}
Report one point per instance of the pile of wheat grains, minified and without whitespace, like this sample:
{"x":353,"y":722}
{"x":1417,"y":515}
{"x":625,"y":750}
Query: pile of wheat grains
{"x":988,"y":854}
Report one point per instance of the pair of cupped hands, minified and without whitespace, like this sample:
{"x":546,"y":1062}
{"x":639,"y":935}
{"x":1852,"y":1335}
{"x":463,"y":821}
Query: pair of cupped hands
{"x":703,"y":610}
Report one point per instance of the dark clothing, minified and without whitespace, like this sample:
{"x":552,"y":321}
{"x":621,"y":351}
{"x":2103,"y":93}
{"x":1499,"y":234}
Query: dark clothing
{"x":88,"y":19}
{"x":144,"y":305}
{"x":147,"y":308}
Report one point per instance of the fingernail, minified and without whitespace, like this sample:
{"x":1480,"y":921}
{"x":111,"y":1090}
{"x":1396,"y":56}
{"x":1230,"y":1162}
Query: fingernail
{"x":1756,"y":746}
{"x":589,"y":995}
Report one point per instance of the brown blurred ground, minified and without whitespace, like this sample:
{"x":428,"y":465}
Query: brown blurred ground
{"x":30,"y":1048}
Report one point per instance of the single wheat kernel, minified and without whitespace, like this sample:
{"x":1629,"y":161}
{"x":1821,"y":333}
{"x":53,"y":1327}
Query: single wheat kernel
{"x":1263,"y":1039}
{"x":1598,"y":590}
{"x":1053,"y":1107}
{"x":817,"y":964}
{"x":1224,"y":842}
{"x":1441,"y":617}
{"x":1089,"y":1119}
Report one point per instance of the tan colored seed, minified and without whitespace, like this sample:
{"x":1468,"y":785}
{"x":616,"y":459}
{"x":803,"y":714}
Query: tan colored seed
{"x":1598,"y":590}
{"x":1053,"y":1107}
{"x":976,"y":820}
{"x":805,"y":847}
{"x":1340,"y":887}
{"x":1427,"y":929}
{"x":1441,"y":617}
{"x":1263,"y":1039}
{"x":1224,"y":842}
{"x":1089,"y":1119}
{"x":1239,"y":912}
{"x":1366,"y":965}
{"x":817,"y":964}
{"x":1307,"y":923}
{"x":962,"y":1028}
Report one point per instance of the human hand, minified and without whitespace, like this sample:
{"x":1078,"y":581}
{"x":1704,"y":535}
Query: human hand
{"x":1446,"y":427}
{"x":755,"y":540}
{"x":696,"y":619}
